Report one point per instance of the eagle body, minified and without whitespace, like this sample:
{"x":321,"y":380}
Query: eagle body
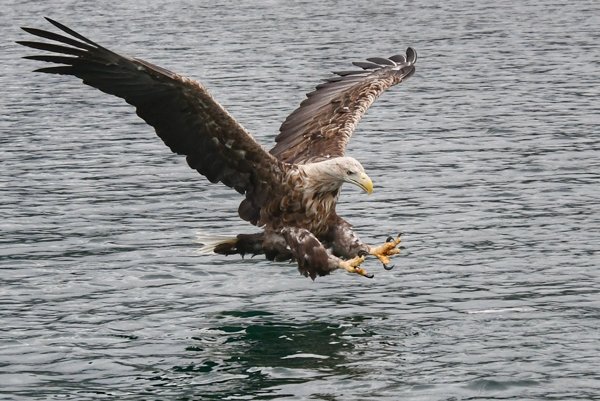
{"x":309,"y":197}
{"x":289,"y":192}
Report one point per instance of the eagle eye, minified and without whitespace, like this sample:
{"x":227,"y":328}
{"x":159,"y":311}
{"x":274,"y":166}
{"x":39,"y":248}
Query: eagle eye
{"x":349,"y":172}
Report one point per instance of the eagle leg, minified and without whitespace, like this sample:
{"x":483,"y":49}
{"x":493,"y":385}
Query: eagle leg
{"x":314,"y":259}
{"x":387,"y":249}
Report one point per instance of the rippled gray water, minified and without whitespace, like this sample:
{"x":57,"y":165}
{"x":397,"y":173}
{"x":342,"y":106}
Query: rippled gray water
{"x":487,"y":159}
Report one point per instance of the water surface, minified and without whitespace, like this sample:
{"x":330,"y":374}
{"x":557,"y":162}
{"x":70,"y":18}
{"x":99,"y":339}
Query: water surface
{"x":487,"y":159}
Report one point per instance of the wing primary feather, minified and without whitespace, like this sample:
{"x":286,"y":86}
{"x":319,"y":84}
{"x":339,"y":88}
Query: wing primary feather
{"x":353,"y":72}
{"x":399,"y":58}
{"x":53,"y":59}
{"x":63,"y":70}
{"x":411,"y":55}
{"x":72,"y":32}
{"x":52,"y":47}
{"x":57,"y":37}
{"x":366,"y":65}
{"x":381,"y":61}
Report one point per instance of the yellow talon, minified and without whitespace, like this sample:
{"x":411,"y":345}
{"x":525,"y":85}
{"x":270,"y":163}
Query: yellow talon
{"x":353,"y":266}
{"x":384,"y":251}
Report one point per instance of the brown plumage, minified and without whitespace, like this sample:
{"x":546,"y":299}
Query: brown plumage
{"x":291,"y":191}
{"x":323,"y":124}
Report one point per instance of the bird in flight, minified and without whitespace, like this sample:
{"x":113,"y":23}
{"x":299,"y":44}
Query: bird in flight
{"x":290,"y":192}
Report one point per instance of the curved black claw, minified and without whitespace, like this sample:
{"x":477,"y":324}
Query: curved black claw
{"x":389,"y":239}
{"x":386,"y":267}
{"x":369,"y":275}
{"x":362,"y":252}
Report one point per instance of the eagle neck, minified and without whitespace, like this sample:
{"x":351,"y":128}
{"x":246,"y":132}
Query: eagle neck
{"x":319,"y":178}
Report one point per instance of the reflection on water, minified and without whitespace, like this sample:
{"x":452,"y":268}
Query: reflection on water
{"x":256,"y":353}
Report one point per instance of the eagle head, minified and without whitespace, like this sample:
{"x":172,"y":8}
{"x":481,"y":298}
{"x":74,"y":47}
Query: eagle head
{"x":330,"y":174}
{"x":350,"y":170}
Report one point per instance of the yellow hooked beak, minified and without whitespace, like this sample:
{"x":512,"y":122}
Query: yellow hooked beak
{"x":364,"y":182}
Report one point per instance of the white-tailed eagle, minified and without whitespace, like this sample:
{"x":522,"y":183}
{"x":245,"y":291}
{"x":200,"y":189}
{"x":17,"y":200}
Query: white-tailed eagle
{"x":290,"y":191}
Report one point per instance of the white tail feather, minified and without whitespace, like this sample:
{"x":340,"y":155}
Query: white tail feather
{"x":210,"y":241}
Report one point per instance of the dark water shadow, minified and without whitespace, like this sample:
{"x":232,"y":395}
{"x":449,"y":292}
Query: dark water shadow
{"x":259,"y":355}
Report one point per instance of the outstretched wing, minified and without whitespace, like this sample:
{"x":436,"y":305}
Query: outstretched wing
{"x":181,"y":111}
{"x":324,"y":122}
